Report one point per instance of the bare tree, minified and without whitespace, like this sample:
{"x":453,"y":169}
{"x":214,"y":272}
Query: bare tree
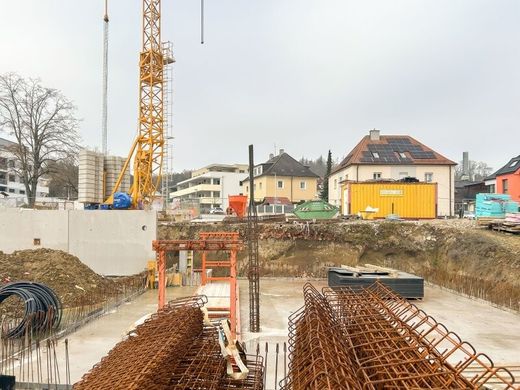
{"x":478,"y":170}
{"x":44,"y":126}
{"x":63,"y":179}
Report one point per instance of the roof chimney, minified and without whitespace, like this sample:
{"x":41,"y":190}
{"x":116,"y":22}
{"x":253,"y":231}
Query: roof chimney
{"x":465,"y":166}
{"x":271,"y":156}
{"x":282,"y":151}
{"x":374,"y":135}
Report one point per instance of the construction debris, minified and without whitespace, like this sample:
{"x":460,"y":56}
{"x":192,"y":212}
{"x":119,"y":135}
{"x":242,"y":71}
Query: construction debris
{"x":175,"y":349}
{"x":510,"y":224}
{"x":374,"y":339}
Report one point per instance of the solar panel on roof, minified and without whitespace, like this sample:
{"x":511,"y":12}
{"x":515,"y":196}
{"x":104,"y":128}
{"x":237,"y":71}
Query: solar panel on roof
{"x":404,"y":141}
{"x":423,"y":155}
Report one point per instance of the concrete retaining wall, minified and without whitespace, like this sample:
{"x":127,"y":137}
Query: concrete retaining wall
{"x":109,"y":242}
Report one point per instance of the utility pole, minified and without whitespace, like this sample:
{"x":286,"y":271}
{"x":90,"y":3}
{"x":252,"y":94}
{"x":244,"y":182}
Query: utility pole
{"x":252,"y":247}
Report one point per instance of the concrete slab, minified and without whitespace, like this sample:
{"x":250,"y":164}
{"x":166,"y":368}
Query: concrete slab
{"x":217,"y":293}
{"x":490,"y":330}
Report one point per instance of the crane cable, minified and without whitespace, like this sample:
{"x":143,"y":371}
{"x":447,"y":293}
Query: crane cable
{"x":201,"y":22}
{"x":104,"y":110}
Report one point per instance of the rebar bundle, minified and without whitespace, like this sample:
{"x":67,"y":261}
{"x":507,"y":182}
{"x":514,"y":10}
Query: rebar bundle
{"x":173,"y":349}
{"x":253,"y":273}
{"x":374,"y":339}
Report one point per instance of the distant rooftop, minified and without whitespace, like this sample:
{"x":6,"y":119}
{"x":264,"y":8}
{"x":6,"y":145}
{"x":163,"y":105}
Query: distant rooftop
{"x":5,"y":142}
{"x":284,"y":165}
{"x":374,"y":149}
{"x":512,"y":166}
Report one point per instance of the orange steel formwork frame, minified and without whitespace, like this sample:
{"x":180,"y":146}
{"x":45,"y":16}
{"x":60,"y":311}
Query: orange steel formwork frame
{"x":207,"y":242}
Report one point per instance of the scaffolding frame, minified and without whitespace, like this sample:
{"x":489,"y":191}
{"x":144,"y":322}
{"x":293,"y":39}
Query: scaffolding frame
{"x":207,"y":242}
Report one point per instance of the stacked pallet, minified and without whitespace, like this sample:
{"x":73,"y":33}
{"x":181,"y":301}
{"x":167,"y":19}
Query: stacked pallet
{"x":494,"y":205}
{"x":358,"y":278}
{"x":113,"y":166}
{"x":510,"y":224}
{"x":90,"y":181}
{"x":488,"y":221}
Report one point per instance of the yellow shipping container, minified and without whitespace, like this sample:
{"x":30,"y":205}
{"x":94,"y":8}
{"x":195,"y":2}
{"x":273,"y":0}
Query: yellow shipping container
{"x":407,"y":200}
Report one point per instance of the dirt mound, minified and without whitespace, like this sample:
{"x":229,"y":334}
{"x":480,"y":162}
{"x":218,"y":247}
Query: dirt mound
{"x":451,"y":253}
{"x":72,"y":280}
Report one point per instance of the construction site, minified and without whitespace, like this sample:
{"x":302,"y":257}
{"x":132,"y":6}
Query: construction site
{"x":121,"y":294}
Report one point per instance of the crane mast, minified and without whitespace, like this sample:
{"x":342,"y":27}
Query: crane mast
{"x":147,"y":149}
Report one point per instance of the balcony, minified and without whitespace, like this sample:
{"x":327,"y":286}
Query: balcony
{"x":195,"y":189}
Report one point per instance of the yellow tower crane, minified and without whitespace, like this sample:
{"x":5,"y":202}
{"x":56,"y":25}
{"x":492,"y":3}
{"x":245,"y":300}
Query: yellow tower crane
{"x":147,"y":149}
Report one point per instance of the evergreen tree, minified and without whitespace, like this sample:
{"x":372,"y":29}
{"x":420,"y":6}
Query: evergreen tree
{"x":325,"y":190}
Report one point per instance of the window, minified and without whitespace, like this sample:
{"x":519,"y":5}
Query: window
{"x":3,"y":188}
{"x":428,"y":177}
{"x":260,"y":185}
{"x":376,"y":175}
{"x":11,"y":190}
{"x":492,"y":189}
{"x":335,"y":183}
{"x":11,"y":163}
{"x":3,"y":163}
{"x":402,"y":155}
{"x":402,"y":175}
{"x":513,"y":164}
{"x":247,"y":189}
{"x":216,"y":181}
{"x":303,"y":185}
{"x":505,"y":186}
{"x":375,"y":154}
{"x":12,"y":178}
{"x":22,"y":192}
{"x":279,"y":184}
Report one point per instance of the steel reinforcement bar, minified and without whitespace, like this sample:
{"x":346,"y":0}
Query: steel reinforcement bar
{"x":374,"y":339}
{"x":174,"y":349}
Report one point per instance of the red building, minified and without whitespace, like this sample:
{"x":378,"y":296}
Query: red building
{"x":508,"y":179}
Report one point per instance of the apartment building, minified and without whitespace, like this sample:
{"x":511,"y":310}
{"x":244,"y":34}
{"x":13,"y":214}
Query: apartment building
{"x":210,"y":186}
{"x":11,"y":184}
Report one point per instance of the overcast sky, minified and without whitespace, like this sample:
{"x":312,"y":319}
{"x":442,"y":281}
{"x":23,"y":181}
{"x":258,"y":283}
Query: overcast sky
{"x":304,"y":75}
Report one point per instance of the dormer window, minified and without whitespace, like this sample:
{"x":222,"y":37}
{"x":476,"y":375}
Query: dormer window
{"x":513,"y":164}
{"x":402,"y":155}
{"x":375,"y":154}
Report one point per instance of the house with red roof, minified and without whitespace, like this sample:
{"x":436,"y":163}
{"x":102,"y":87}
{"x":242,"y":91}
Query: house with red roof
{"x":395,"y":157}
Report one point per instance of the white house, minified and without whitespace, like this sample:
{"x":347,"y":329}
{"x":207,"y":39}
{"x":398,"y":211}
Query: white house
{"x":394,"y":157}
{"x":11,"y":184}
{"x":212,"y":185}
